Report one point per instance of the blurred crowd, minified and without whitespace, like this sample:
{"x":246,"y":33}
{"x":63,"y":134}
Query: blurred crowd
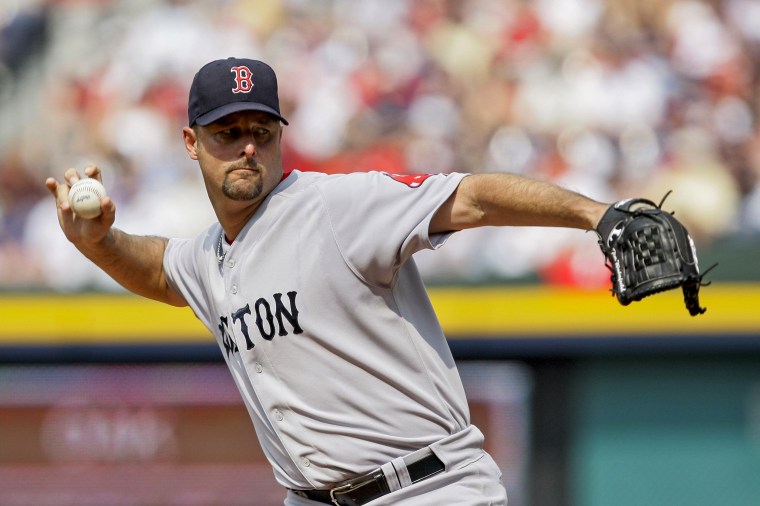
{"x":613,"y":98}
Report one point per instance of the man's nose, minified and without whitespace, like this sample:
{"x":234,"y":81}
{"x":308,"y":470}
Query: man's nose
{"x":249,"y":150}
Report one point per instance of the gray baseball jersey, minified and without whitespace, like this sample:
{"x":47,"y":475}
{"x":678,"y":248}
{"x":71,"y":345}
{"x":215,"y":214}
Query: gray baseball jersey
{"x":325,"y":324}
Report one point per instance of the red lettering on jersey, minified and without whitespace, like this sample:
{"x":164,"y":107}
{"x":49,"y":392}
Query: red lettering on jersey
{"x":243,"y":81}
{"x":411,"y":180}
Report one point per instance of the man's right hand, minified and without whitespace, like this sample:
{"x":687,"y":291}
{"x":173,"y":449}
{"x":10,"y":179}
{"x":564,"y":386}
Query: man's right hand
{"x":80,"y":231}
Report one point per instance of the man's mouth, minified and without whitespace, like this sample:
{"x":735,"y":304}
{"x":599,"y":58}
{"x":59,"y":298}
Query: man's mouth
{"x":245,"y":168}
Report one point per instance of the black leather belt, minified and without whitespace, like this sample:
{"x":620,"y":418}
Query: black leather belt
{"x":369,"y":487}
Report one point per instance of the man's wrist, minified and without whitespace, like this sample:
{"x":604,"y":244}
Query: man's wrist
{"x":95,"y":246}
{"x":595,"y":214}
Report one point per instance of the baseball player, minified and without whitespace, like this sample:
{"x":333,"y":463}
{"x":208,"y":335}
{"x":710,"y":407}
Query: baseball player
{"x":307,"y":282}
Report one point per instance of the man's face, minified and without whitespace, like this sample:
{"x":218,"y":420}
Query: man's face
{"x":239,"y":155}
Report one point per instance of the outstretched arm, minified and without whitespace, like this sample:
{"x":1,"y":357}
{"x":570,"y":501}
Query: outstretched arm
{"x":135,"y":262}
{"x":510,"y":199}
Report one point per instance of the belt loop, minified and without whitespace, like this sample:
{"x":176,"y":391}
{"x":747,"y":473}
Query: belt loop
{"x":402,"y":472}
{"x":390,"y":477}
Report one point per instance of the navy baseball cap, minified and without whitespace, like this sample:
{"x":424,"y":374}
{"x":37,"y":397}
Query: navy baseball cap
{"x":222,"y":87}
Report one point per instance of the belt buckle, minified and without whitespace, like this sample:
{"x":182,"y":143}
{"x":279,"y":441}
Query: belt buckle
{"x":347,"y":487}
{"x":344,"y":488}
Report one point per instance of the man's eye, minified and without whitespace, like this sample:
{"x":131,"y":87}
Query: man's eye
{"x":229,"y":134}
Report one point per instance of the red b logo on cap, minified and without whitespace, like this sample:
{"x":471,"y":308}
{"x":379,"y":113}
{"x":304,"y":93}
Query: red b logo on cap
{"x":243,"y":81}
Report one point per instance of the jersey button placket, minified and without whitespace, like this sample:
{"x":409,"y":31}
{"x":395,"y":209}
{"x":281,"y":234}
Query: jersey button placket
{"x":231,"y":276}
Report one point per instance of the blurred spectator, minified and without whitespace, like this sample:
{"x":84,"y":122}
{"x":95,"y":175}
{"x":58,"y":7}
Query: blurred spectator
{"x":611,"y":97}
{"x":23,"y":33}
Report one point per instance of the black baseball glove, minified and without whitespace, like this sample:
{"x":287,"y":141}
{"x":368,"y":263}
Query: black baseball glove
{"x":649,"y":251}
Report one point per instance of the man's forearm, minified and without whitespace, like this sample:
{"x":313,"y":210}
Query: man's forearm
{"x":513,"y":200}
{"x":135,"y":262}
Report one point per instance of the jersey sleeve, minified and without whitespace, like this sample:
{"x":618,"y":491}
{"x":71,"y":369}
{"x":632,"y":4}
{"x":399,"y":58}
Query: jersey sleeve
{"x":380,"y":220}
{"x":182,"y":261}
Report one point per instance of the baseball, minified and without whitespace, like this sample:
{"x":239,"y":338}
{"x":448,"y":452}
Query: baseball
{"x":85,"y":196}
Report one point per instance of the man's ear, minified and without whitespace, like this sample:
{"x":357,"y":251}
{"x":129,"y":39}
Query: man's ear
{"x":191,"y":142}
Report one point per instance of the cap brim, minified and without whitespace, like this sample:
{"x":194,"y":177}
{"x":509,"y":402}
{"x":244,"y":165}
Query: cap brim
{"x":220,"y":112}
